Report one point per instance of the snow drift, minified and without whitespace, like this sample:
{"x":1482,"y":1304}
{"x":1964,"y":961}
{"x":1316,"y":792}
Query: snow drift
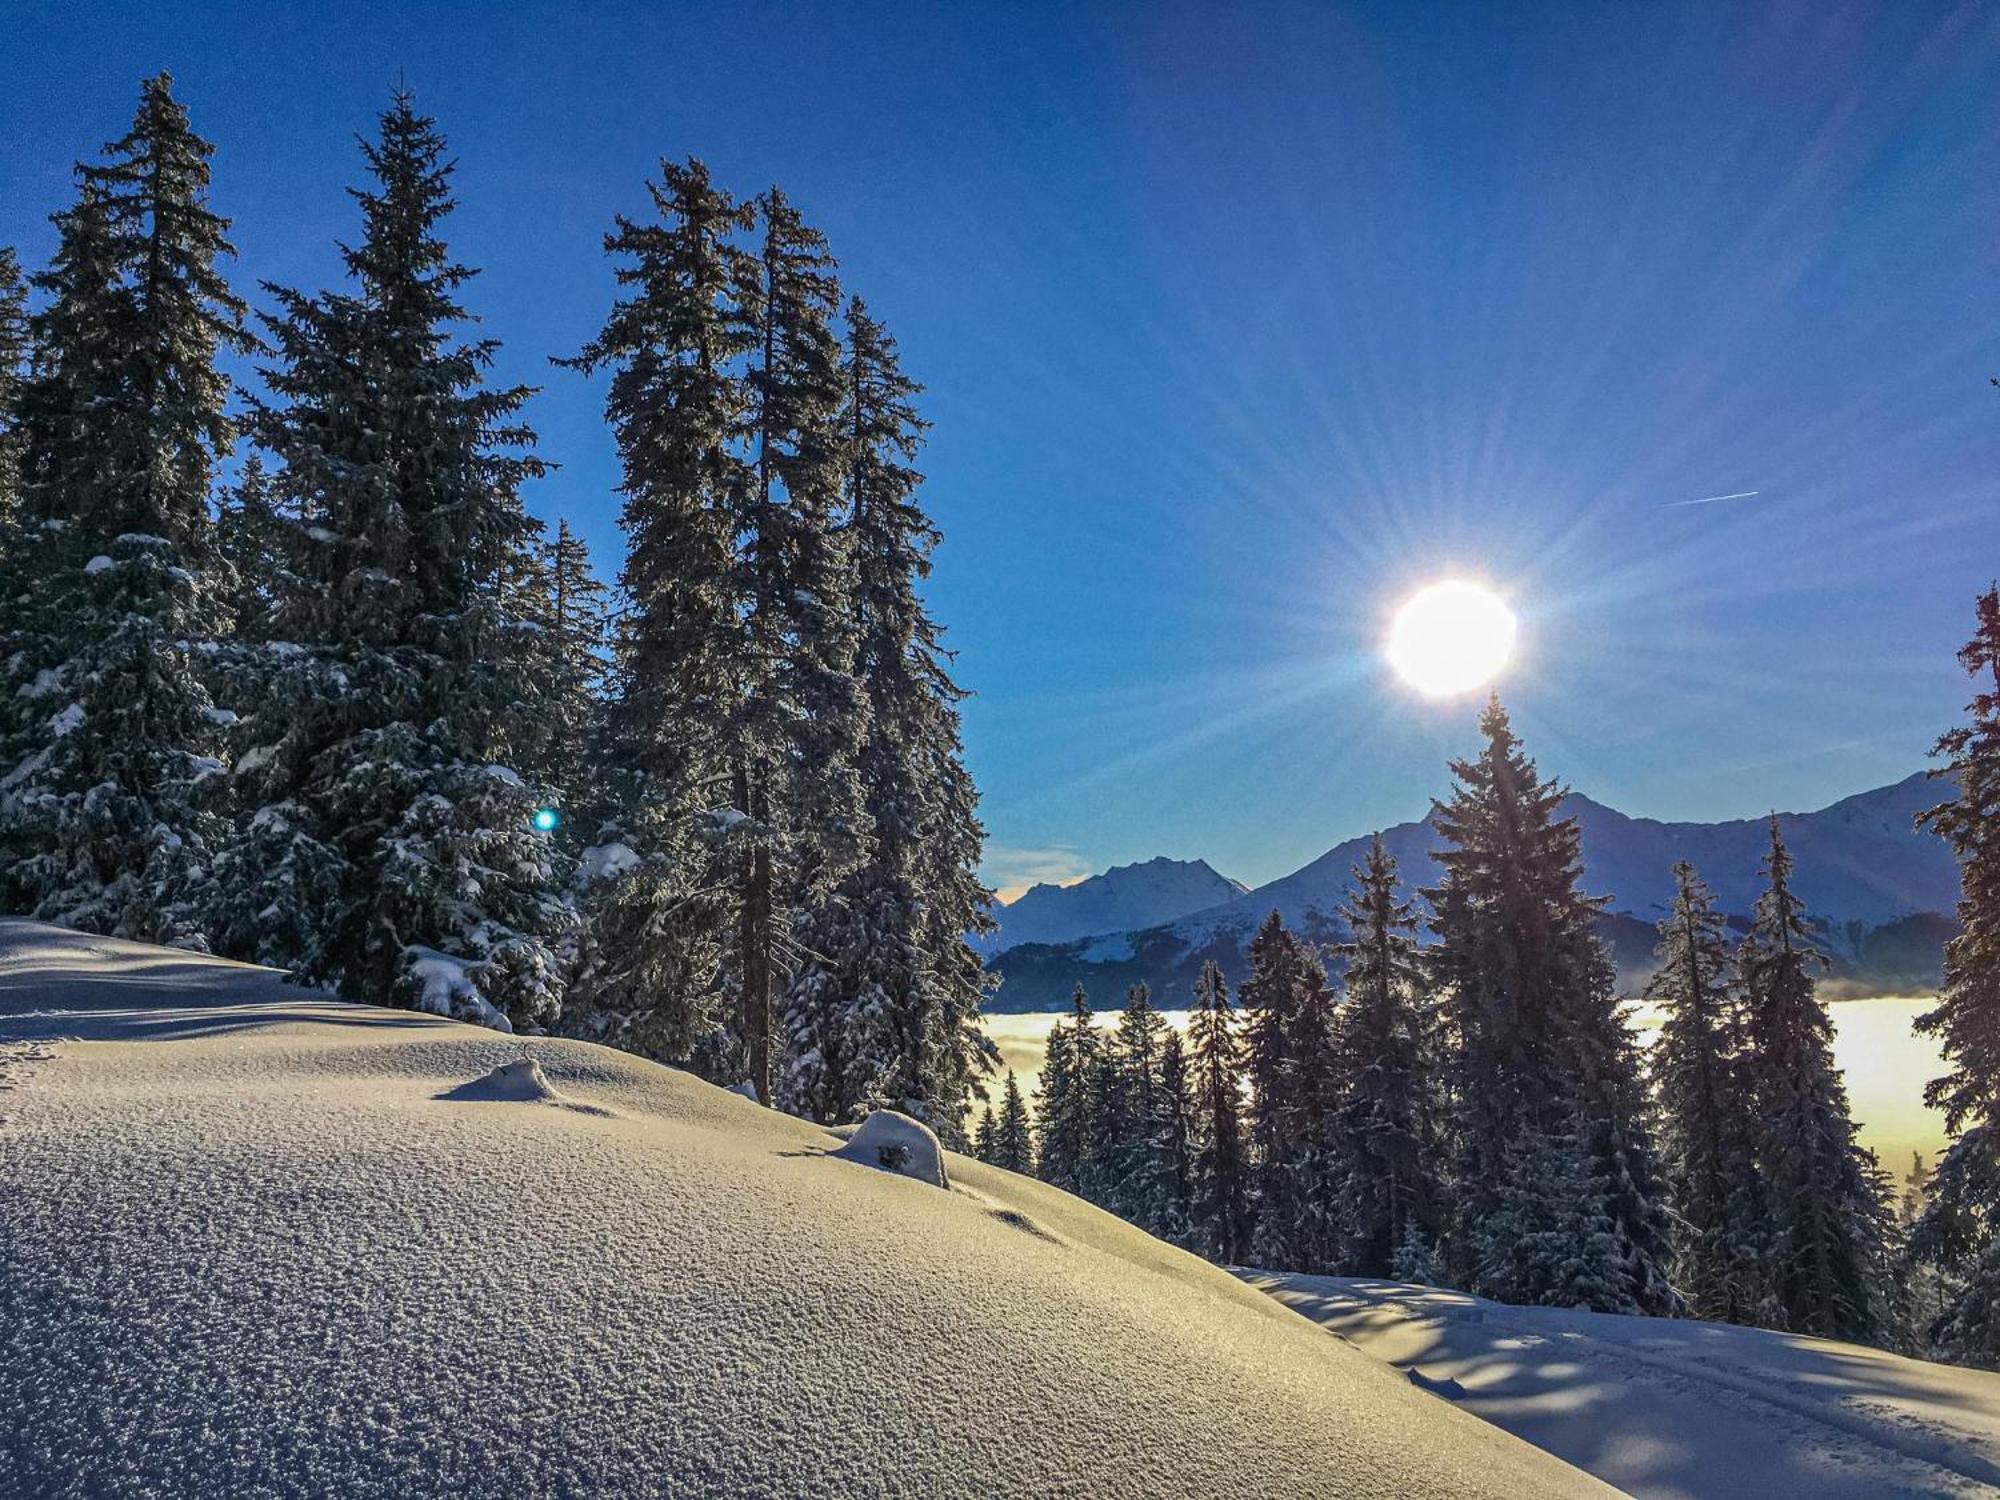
{"x":254,"y":1241}
{"x":1674,"y":1408}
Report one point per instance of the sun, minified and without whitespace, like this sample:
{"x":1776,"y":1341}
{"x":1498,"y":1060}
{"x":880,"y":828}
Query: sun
{"x":1450,"y":638}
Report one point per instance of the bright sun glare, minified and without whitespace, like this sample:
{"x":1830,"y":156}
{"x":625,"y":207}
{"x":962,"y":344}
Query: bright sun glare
{"x":1451,"y":638}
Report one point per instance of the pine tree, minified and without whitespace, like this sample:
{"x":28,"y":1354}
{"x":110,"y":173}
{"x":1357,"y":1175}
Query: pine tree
{"x":1544,"y":1060}
{"x":14,"y":347}
{"x":562,"y":617}
{"x":886,"y":1004}
{"x":1173,"y":1207}
{"x":1313,"y":1098}
{"x":1387,"y":1061}
{"x":1960,"y":1227}
{"x":113,"y":583}
{"x":656,"y":962}
{"x":1826,"y":1211}
{"x":393,"y":855}
{"x":1131,"y":1108}
{"x":1551,"y":1241}
{"x":1269,"y":1000}
{"x":1013,"y":1138}
{"x":983,"y":1135}
{"x":1221,"y":1210}
{"x":1070,"y":1104}
{"x":1707,"y":1146}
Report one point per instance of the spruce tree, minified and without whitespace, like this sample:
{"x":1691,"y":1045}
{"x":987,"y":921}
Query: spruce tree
{"x":1544,"y":1061}
{"x":1269,"y":1000}
{"x":1173,"y":1206}
{"x":1825,"y":1204}
{"x":113,"y":583}
{"x":1959,"y":1229}
{"x":561,"y":616}
{"x":393,"y":854}
{"x":1071,"y":1103}
{"x":983,"y":1134}
{"x":1387,"y":1062}
{"x":1707,"y":1142}
{"x":657,"y":959}
{"x":14,"y":346}
{"x":886,"y":1004}
{"x":1013,"y":1136}
{"x":1132,"y":1107}
{"x":1221,"y":1188}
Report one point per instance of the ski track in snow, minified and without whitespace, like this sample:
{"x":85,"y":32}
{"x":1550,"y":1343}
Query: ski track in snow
{"x":1668,"y":1408}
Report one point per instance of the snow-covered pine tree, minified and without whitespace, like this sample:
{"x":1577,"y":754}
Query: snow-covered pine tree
{"x":14,"y":348}
{"x":983,"y":1134}
{"x":1551,"y":1240}
{"x":656,"y":966}
{"x":1312,"y":1104}
{"x":1544,"y":1059}
{"x":1013,"y":1136}
{"x":1391,"y":1109}
{"x":1707,"y":1134}
{"x":886,"y":1004}
{"x":1221,"y":1189}
{"x":1269,"y":999}
{"x":1132,"y":1107}
{"x":1172,"y":1211}
{"x":114,"y":584}
{"x":1070,"y":1103}
{"x":1827,"y":1217}
{"x":1960,"y":1227}
{"x":392,"y":854}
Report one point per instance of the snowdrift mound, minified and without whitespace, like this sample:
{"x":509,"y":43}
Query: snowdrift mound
{"x":246,"y":1249}
{"x":1676,"y":1408}
{"x":892,"y":1142}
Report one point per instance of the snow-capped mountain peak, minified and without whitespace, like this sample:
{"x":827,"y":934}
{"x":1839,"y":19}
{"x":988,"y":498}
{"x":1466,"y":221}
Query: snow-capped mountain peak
{"x":1123,"y":898}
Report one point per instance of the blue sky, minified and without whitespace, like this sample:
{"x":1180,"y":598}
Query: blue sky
{"x":1240,"y":322}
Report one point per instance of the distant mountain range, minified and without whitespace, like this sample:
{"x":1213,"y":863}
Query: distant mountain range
{"x":1880,"y":892}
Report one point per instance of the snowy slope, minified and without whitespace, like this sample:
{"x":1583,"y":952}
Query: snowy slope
{"x":1665,"y":1408}
{"x":1122,"y":899}
{"x":1861,"y":867}
{"x":253,"y":1241}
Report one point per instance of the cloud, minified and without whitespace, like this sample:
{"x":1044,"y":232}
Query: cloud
{"x":1011,"y":871}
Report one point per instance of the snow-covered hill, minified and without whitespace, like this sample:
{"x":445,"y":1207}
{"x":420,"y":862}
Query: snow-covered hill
{"x":254,"y":1241}
{"x":1123,"y":898}
{"x":1671,"y":1408}
{"x":1881,"y":890}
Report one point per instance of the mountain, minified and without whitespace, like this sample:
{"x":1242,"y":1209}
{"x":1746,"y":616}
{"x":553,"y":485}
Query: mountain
{"x":255,"y":1241}
{"x":1881,"y":892}
{"x":1121,"y":899}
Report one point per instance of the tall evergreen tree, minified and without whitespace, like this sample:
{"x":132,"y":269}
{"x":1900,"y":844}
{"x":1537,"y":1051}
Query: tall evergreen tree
{"x":1827,"y":1214}
{"x":1131,"y":1107}
{"x":983,"y":1134}
{"x":1960,"y":1226}
{"x":14,"y":347}
{"x":1013,"y":1136}
{"x":562,"y":617}
{"x":1390,"y":1110}
{"x":1071,"y":1101}
{"x":1269,"y":1001}
{"x":113,"y":583}
{"x":1544,"y":1060}
{"x":886,"y":1004}
{"x":393,"y":855}
{"x":657,"y":959}
{"x":1171,"y":1214}
{"x":1221,"y":1210}
{"x":1707,"y":1139}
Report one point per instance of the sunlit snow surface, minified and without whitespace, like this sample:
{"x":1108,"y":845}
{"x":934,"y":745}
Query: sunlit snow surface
{"x":1670,"y":1408}
{"x":253,"y":1241}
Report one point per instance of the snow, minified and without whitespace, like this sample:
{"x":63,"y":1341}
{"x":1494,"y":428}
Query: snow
{"x":893,"y":1142}
{"x":1122,"y":899}
{"x":606,"y":861}
{"x":99,"y":564}
{"x":446,"y":989}
{"x":66,"y":721}
{"x":252,"y":1242}
{"x":254,"y":758}
{"x":1667,"y":1407}
{"x":47,"y":680}
{"x":220,"y":717}
{"x":505,"y":775}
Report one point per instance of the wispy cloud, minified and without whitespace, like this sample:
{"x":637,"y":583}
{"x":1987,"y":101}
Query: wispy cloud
{"x":1011,"y":871}
{"x":1711,"y":499}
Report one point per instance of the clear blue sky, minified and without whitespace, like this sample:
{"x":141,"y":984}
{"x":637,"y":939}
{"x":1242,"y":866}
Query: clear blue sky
{"x":1238,"y":322}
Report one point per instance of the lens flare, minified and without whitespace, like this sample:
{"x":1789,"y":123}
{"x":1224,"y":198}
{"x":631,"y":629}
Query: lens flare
{"x":1450,"y":638}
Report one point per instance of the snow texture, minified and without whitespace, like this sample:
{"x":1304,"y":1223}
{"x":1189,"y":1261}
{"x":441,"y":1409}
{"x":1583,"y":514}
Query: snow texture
{"x":606,"y":862}
{"x":99,"y":564}
{"x":892,"y":1142}
{"x":247,"y":1249}
{"x":1673,"y":1407}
